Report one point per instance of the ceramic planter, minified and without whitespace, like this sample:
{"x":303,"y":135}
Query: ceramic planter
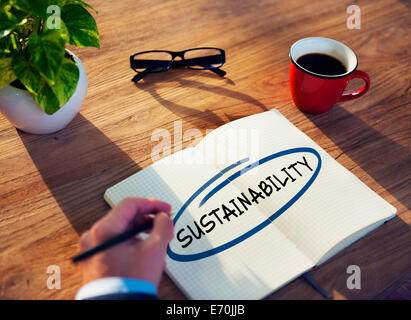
{"x":22,"y":111}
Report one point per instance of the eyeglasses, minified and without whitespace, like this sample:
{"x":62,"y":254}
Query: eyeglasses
{"x":161,"y":60}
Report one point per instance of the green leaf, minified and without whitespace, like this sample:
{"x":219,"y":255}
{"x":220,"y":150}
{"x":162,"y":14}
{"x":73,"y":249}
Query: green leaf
{"x":47,"y":53}
{"x":6,"y":45}
{"x":28,"y":74}
{"x":81,"y":26}
{"x":62,"y":30}
{"x":8,"y":23}
{"x":7,"y":74}
{"x":36,"y":85}
{"x":66,"y":82}
{"x":47,"y":100}
{"x":80,"y":2}
{"x":37,"y":7}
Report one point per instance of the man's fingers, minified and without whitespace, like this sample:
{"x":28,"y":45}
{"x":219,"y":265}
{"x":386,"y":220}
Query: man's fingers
{"x":85,"y":241}
{"x":127,"y":213}
{"x":163,"y":230}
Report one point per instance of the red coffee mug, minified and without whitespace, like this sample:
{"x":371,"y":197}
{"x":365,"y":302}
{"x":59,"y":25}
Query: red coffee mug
{"x":317,"y":93}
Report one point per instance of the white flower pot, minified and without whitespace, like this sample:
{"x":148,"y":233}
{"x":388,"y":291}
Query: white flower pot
{"x":23,"y":112}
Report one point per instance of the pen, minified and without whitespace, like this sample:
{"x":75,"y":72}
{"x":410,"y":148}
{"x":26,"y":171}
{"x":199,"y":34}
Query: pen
{"x":316,"y":286}
{"x":113,"y":241}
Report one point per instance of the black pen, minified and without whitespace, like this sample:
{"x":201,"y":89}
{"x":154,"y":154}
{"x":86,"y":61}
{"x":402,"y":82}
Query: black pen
{"x":113,"y":241}
{"x":316,"y":286}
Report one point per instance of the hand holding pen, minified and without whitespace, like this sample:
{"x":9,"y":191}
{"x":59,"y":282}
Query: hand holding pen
{"x":114,"y":248}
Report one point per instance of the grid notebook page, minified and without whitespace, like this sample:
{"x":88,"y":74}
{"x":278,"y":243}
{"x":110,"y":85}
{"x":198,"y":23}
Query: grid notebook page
{"x":256,"y":203}
{"x":247,"y":270}
{"x":335,"y":206}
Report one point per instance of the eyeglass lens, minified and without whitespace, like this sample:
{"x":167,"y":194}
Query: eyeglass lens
{"x":203,"y":58}
{"x":152,"y":61}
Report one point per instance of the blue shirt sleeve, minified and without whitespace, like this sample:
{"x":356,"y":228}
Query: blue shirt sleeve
{"x":115,"y":285}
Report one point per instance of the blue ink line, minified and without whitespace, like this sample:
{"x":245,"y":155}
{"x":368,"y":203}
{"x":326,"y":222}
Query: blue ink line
{"x":207,"y":253}
{"x":227,"y":181}
{"x":204,"y":186}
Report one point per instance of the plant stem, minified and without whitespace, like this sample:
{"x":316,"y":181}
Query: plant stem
{"x":36,"y":25}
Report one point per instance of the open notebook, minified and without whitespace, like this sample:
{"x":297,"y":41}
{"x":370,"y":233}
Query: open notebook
{"x":255,"y":204}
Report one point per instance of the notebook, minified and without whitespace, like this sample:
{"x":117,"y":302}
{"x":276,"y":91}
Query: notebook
{"x":256,"y":203}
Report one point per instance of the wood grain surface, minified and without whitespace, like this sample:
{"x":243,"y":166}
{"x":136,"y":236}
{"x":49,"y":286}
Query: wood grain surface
{"x":51,"y":186}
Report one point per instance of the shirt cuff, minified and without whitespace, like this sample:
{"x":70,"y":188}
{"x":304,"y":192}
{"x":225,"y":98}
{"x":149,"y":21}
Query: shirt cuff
{"x":115,"y":285}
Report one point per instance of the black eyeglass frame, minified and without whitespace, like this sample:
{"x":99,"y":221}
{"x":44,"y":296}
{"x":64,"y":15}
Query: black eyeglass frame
{"x":183,"y":62}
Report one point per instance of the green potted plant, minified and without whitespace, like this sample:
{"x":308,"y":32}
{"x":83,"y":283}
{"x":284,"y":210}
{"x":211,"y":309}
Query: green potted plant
{"x":42,"y":84}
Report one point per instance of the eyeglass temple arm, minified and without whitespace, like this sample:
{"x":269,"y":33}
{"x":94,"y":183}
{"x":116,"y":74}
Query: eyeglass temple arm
{"x":178,"y":63}
{"x":209,"y":60}
{"x":139,"y":76}
{"x":219,"y":72}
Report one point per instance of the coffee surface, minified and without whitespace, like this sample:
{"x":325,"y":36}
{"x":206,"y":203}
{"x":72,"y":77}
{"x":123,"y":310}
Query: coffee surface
{"x":322,"y":64}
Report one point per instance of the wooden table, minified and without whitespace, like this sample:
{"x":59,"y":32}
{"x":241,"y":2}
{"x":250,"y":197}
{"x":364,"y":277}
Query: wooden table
{"x":51,"y":186}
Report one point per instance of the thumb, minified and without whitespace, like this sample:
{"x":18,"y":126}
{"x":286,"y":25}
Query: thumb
{"x":162,"y":231}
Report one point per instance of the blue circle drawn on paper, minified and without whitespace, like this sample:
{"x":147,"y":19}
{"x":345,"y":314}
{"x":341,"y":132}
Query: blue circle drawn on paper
{"x":275,"y":215}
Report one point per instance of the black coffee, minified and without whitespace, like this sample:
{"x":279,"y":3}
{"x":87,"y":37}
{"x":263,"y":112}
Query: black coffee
{"x":322,"y":64}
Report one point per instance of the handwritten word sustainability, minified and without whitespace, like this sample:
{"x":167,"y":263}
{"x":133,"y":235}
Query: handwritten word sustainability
{"x":239,"y":205}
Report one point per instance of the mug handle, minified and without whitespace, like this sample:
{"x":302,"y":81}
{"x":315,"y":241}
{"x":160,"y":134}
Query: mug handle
{"x":360,"y":92}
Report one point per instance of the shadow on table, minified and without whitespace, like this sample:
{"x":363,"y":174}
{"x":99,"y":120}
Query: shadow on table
{"x":78,"y":164}
{"x":384,"y":160}
{"x":200,"y":119}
